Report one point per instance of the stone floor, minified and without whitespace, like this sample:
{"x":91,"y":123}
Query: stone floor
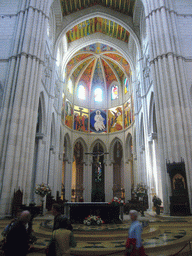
{"x":162,"y":236}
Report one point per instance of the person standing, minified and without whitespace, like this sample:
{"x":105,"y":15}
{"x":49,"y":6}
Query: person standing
{"x":134,"y":245}
{"x":56,"y":212}
{"x":17,"y":239}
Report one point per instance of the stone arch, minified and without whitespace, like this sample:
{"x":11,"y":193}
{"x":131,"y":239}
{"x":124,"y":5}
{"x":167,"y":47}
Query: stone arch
{"x":98,"y":141}
{"x":42,"y":113}
{"x":121,"y":47}
{"x":129,"y":146}
{"x":111,"y":150}
{"x":152,"y":117}
{"x":85,"y":148}
{"x":102,"y":12}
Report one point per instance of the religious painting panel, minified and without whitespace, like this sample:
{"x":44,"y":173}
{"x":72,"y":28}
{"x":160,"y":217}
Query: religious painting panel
{"x":127,"y":114}
{"x":98,"y":121}
{"x":81,"y":119}
{"x":115,"y":119}
{"x":68,"y":114}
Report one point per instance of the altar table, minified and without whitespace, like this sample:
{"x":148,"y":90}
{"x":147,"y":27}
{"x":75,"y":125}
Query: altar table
{"x":78,"y":211}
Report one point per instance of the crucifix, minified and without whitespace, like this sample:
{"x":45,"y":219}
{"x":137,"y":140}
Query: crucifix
{"x":97,"y":153}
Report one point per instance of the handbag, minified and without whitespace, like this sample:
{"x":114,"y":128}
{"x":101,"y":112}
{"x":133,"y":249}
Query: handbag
{"x":51,"y":249}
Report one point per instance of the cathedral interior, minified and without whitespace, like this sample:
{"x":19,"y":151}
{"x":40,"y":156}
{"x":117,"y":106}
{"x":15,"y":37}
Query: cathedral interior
{"x":96,"y":102}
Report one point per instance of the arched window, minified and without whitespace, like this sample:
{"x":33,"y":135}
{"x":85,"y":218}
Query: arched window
{"x":126,"y":85}
{"x":98,"y":95}
{"x":81,"y":92}
{"x":70,"y":86}
{"x":114,"y":92}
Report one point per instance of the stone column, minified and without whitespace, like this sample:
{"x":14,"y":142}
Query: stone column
{"x":68,"y":180}
{"x":127,"y":180}
{"x":172,"y":104}
{"x":18,"y":129}
{"x":87,"y":180}
{"x":108,"y":181}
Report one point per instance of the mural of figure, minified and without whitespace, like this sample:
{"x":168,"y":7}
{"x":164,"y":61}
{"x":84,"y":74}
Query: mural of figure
{"x":99,"y":121}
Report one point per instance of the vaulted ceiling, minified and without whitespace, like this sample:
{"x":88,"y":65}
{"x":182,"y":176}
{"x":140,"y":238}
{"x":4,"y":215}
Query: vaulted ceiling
{"x":123,"y":6}
{"x":97,"y":64}
{"x":98,"y":24}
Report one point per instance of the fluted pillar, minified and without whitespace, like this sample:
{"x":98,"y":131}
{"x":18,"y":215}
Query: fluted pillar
{"x":18,"y":126}
{"x":172,"y":105}
{"x":108,"y":181}
{"x":68,"y":180}
{"x":87,"y":180}
{"x":127,"y":180}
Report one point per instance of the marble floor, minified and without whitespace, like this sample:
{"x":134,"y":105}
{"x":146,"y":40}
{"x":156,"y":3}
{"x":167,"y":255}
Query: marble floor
{"x":161,"y":236}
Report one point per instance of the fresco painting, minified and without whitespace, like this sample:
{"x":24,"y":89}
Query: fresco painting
{"x":98,"y":121}
{"x":68,"y":114}
{"x":115,"y":119}
{"x":81,"y":119}
{"x":127,"y":114}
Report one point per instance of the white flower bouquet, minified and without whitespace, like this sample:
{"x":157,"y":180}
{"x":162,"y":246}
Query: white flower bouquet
{"x":42,"y":190}
{"x":93,"y":220}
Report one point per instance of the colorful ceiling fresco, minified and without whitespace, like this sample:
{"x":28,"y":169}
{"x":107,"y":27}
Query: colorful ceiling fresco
{"x":109,"y":74}
{"x":95,"y":25}
{"x":98,"y":64}
{"x":123,"y":6}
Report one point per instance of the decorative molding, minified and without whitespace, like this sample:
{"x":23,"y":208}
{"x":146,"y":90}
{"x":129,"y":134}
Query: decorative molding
{"x":27,"y":55}
{"x":169,"y":54}
{"x":167,"y":9}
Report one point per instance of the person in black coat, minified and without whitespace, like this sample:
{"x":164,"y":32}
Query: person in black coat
{"x":56,"y":212}
{"x":17,"y":239}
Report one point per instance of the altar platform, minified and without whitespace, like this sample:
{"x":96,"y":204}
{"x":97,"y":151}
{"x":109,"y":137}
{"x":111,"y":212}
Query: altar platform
{"x":163,"y":236}
{"x":77,"y":212}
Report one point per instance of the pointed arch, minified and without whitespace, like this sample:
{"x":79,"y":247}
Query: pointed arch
{"x":129,"y":146}
{"x":98,"y":141}
{"x":152,"y":116}
{"x":84,"y":144}
{"x":41,"y":119}
{"x":112,"y":144}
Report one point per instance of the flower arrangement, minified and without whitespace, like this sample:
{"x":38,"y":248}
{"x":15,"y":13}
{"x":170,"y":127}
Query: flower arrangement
{"x":42,"y":189}
{"x":116,"y":201}
{"x":140,"y":190}
{"x":93,"y":220}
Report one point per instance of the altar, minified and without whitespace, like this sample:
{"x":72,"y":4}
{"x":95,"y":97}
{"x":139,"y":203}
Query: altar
{"x":78,"y":211}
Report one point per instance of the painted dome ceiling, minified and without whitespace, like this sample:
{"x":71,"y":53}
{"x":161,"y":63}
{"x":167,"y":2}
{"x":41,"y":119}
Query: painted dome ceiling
{"x":123,"y":6}
{"x":97,"y":64}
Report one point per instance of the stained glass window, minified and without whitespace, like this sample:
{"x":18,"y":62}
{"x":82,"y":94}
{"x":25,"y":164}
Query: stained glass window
{"x":81,"y":92}
{"x":114,"y":92}
{"x":126,"y":85}
{"x":98,"y":95}
{"x":70,"y":86}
